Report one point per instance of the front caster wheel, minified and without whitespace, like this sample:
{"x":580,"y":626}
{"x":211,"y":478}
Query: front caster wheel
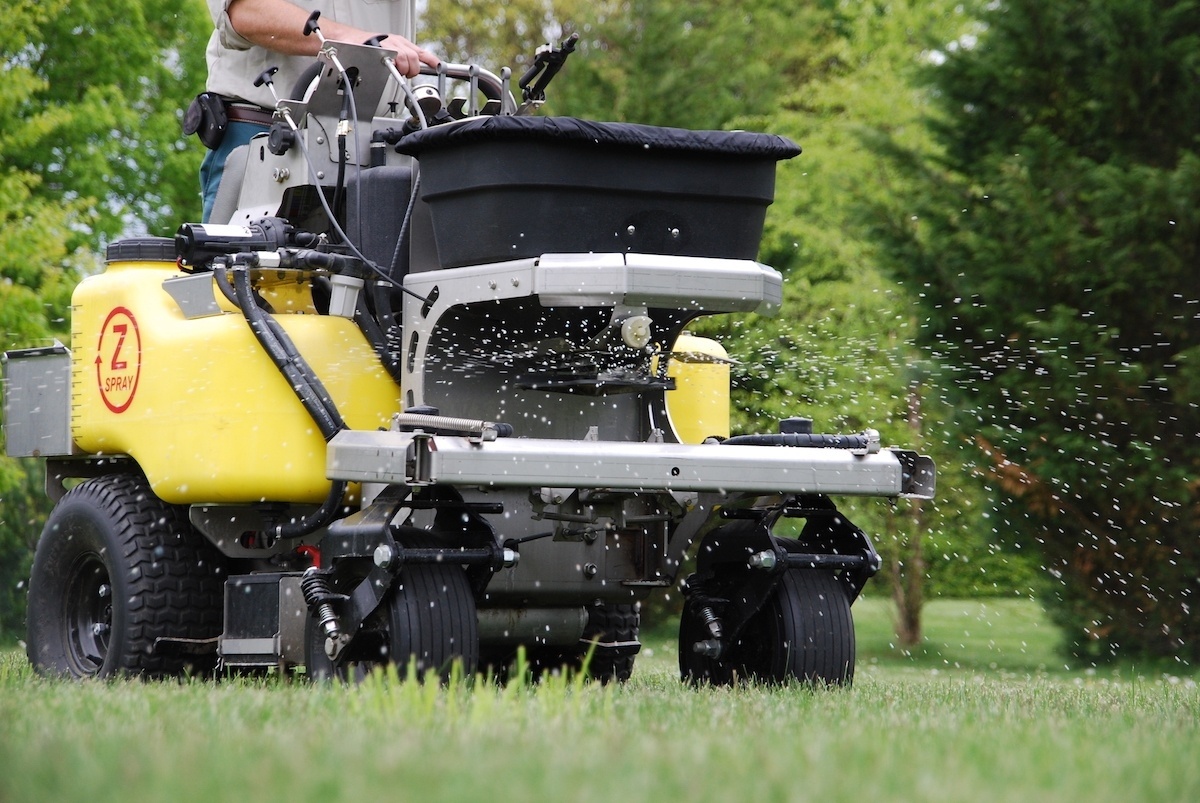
{"x":805,"y":632}
{"x":428,"y":619}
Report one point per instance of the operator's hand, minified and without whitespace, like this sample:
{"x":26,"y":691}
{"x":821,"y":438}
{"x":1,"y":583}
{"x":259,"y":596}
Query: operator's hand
{"x":278,"y":25}
{"x":411,"y":57}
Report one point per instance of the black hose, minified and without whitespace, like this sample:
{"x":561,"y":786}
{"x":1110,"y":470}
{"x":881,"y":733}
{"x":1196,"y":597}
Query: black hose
{"x":371,"y":328}
{"x":309,"y":378}
{"x":800,"y":440}
{"x":224,"y":285}
{"x":308,"y":389}
{"x":289,"y":362}
{"x":341,"y":176}
{"x":321,"y":517}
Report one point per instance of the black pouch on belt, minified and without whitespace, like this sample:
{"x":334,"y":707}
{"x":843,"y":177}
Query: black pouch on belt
{"x":206,"y":117}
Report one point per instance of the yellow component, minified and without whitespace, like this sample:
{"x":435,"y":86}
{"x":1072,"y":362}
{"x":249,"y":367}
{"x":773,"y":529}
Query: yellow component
{"x":698,"y":408}
{"x":286,"y":291}
{"x":197,"y":403}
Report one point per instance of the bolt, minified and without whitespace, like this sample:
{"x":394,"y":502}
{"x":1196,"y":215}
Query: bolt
{"x":281,"y":174}
{"x":709,"y":649}
{"x":511,"y":557}
{"x":101,"y":629}
{"x":767,"y":559}
{"x":591,"y":570}
{"x":105,"y":591}
{"x":384,"y":556}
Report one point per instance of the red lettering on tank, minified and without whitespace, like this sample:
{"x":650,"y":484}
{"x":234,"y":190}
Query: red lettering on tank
{"x":118,"y":360}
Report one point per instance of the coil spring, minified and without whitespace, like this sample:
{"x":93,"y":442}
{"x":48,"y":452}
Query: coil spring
{"x":711,"y":620}
{"x":319,"y":596}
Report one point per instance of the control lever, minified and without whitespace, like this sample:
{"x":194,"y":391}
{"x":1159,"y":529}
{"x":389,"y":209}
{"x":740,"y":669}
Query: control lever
{"x":547,"y":61}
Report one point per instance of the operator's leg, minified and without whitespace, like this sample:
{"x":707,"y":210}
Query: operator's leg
{"x":213,"y":166}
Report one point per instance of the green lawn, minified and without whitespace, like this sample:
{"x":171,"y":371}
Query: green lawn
{"x":985,"y":711}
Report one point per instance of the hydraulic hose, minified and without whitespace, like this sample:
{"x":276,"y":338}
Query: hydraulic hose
{"x":282,"y":351}
{"x":308,"y":389}
{"x":378,"y":340}
{"x":310,"y":379}
{"x":801,"y":439}
{"x":321,"y":517}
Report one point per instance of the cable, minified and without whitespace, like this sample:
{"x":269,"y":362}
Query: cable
{"x":371,"y":265}
{"x":404,"y":224}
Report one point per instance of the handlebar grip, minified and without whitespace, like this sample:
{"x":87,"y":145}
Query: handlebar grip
{"x":538,"y":63}
{"x":265,"y":76}
{"x":310,"y":24}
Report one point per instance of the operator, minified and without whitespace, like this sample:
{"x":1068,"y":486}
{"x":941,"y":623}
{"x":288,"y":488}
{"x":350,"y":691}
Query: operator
{"x":254,"y":35}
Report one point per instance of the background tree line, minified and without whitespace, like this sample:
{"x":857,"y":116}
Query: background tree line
{"x":989,"y":246}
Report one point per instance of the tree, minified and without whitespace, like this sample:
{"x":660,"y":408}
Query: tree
{"x":90,"y":146}
{"x":831,"y":76}
{"x":1054,"y":249}
{"x":493,"y":34}
{"x":108,"y":83}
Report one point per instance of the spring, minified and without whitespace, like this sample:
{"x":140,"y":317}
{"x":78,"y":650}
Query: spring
{"x":488,"y":430}
{"x":710,"y":618}
{"x":318,"y":596}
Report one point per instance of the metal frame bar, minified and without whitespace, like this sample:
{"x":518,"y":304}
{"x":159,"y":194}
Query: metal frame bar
{"x":409,"y":458}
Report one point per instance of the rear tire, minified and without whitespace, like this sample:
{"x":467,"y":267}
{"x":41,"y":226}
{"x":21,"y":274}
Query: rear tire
{"x":614,"y":629}
{"x":805,"y":632}
{"x":117,"y":569}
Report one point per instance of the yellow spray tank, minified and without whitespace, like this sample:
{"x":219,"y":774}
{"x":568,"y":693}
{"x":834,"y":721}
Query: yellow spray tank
{"x":194,"y":400}
{"x":698,"y":407}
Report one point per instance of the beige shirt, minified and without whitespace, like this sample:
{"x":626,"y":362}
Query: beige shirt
{"x":234,"y":62}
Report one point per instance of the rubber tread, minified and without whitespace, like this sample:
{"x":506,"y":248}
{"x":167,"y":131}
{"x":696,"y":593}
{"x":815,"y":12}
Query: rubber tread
{"x":432,"y":615}
{"x":167,"y":579}
{"x":816,"y":630}
{"x":805,"y":632}
{"x":428,"y":618}
{"x":609,"y":623}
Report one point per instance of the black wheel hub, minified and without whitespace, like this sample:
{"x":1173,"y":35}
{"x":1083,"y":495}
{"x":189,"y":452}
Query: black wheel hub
{"x":88,"y":614}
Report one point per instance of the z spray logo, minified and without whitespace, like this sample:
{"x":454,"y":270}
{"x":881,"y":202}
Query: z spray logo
{"x":118,"y":360}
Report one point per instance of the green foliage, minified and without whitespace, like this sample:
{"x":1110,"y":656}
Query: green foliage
{"x":833,"y":77}
{"x":105,"y":84}
{"x":90,"y":147}
{"x":698,"y":64}
{"x":23,"y":505}
{"x":1053,"y":249}
{"x":492,"y":34}
{"x":842,"y":351}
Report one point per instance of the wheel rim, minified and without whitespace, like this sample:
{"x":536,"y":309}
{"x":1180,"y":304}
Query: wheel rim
{"x":89,"y":614}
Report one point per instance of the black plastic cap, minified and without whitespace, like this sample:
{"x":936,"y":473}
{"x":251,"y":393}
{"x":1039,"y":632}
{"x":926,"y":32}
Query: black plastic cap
{"x":796,"y":426}
{"x":141,"y":249}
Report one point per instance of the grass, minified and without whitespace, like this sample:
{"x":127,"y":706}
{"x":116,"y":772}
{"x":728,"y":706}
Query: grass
{"x":985,"y":711}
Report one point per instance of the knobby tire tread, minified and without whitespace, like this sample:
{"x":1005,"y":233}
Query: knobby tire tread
{"x":172,"y":577}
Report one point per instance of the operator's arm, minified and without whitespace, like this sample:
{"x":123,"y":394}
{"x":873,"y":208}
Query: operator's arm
{"x":279,"y":26}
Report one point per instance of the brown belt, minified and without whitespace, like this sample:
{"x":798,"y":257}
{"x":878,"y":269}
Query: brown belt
{"x":248,"y":114}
